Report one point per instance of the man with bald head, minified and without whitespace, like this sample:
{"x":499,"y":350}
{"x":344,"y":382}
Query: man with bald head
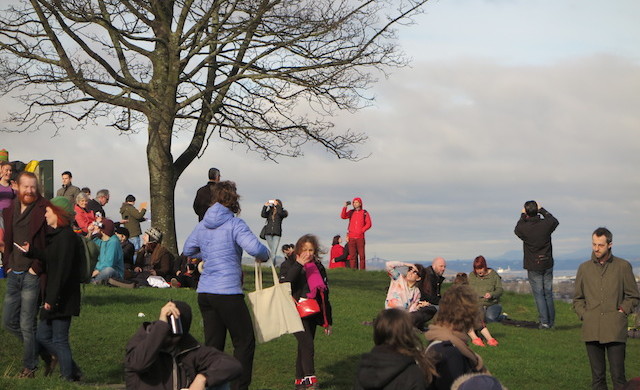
{"x":430,"y":298}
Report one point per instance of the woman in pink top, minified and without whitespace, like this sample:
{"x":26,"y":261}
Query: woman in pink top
{"x":403,"y":290}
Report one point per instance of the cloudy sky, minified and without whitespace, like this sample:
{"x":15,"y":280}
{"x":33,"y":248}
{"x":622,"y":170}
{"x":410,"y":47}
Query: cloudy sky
{"x":504,"y":101}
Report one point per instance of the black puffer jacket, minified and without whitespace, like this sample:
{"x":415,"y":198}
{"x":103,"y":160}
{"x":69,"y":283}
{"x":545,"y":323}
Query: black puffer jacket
{"x":385,"y":369}
{"x":274,"y":220}
{"x":535,"y":233}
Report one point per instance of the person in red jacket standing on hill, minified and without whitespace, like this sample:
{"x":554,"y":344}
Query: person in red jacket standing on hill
{"x":359,"y":222}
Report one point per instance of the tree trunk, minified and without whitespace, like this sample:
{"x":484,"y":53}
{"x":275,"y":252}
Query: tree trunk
{"x":162,"y":180}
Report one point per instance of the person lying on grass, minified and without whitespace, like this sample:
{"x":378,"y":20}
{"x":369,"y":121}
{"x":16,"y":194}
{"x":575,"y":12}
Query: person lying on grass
{"x":163,"y":355}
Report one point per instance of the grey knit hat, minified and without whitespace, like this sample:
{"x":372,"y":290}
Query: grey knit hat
{"x":154,"y":234}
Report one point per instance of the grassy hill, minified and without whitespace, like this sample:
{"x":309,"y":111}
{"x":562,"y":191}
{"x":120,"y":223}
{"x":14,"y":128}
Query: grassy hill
{"x":525,"y":359}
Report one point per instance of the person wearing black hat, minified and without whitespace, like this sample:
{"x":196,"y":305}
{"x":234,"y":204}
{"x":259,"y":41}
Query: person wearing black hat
{"x":128,"y":250}
{"x":163,"y":355}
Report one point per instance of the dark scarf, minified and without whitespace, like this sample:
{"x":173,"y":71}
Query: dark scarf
{"x":459,"y":340}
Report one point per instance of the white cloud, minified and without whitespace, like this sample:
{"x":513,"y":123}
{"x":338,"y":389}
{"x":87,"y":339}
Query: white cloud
{"x":458,"y":141}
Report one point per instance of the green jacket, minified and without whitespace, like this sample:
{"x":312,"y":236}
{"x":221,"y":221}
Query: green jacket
{"x":601,"y":290}
{"x":490,"y":283}
{"x":133,"y":217}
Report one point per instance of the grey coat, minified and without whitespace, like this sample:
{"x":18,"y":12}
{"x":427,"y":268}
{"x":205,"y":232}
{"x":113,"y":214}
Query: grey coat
{"x":600,"y":292}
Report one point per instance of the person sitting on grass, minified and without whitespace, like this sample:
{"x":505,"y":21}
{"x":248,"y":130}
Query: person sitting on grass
{"x":128,"y":250}
{"x":187,"y":274}
{"x":110,"y":260}
{"x":459,"y":311}
{"x":487,"y":285}
{"x":398,"y":360}
{"x":163,"y":356}
{"x":403,"y":290}
{"x":462,"y":278}
{"x":153,"y":259}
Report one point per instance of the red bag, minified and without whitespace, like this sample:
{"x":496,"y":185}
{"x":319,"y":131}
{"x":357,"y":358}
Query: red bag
{"x":307,"y":307}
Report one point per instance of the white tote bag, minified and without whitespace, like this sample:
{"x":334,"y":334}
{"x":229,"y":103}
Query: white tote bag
{"x":274,"y":311}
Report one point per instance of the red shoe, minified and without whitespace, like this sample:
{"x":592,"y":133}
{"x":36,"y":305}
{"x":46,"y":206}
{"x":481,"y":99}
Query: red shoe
{"x":492,"y":342}
{"x":478,"y":341}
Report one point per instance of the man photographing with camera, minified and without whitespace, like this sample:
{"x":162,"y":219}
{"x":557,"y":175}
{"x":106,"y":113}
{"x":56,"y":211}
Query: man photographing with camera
{"x":359,"y":223}
{"x":164,"y":355}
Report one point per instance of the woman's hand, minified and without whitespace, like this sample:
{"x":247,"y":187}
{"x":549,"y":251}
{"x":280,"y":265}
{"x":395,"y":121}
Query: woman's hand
{"x":137,"y":269}
{"x":328,"y":330}
{"x":304,"y":258}
{"x":47,"y":306}
{"x":487,"y":296}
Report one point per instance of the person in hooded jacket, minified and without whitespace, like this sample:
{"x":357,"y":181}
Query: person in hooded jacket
{"x":397,"y":361}
{"x":359,"y":223}
{"x":61,"y":300}
{"x":158,"y":358}
{"x":219,"y":240}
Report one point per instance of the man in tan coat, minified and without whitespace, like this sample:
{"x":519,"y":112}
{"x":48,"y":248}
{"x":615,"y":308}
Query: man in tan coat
{"x":606,"y":293}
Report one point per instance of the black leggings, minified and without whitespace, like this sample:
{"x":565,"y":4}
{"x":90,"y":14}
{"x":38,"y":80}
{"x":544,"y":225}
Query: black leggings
{"x":305,"y":365}
{"x":423,"y":315}
{"x":229,"y":312}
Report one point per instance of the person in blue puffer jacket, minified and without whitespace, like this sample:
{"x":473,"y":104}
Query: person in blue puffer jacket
{"x":219,"y":240}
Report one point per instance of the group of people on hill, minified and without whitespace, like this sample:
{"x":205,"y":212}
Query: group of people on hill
{"x":43,"y":253}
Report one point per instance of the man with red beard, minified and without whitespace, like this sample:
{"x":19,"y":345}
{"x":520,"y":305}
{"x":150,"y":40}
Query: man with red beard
{"x":24,"y":223}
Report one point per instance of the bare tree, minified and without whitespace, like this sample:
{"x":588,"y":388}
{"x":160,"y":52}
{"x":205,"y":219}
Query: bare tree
{"x":235,"y":70}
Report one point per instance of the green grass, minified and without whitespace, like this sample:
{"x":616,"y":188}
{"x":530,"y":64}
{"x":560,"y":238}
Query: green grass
{"x":525,"y":359}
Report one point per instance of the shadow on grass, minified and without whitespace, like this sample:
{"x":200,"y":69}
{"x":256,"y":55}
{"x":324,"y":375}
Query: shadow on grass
{"x":344,"y":373}
{"x":105,"y":300}
{"x":568,"y":327}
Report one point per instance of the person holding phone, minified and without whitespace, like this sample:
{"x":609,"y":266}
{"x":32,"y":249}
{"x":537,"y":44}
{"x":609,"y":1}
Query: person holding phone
{"x":274,"y":212}
{"x":24,"y":223}
{"x":163,"y":354}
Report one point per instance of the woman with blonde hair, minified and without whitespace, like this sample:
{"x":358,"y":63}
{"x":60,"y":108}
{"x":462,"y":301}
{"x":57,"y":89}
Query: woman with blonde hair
{"x":458,"y":312}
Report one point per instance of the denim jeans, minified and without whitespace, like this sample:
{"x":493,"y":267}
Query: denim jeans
{"x":104,"y":275}
{"x":272,"y":242}
{"x":19,"y":313}
{"x":53,"y":335}
{"x":136,"y":242}
{"x":542,"y":288}
{"x":493,"y":313}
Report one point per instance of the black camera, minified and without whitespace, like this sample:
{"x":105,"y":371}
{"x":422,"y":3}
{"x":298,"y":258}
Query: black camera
{"x":348,"y":202}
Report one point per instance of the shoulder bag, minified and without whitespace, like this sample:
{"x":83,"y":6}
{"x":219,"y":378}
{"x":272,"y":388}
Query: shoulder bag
{"x":274,"y":310}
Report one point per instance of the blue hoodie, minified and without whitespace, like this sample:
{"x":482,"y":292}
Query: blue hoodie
{"x":219,"y":240}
